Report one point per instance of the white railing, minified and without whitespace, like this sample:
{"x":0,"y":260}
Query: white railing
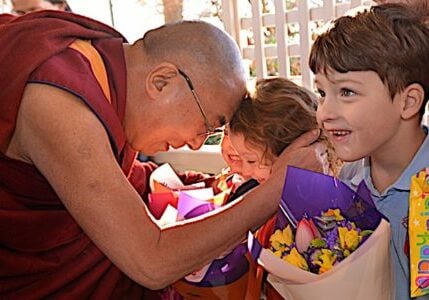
{"x":4,"y":6}
{"x":301,"y":17}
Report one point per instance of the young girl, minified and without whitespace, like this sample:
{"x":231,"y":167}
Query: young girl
{"x":269,"y":121}
{"x":262,"y":127}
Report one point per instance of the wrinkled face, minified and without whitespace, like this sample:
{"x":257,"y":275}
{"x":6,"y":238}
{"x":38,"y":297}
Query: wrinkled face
{"x":357,"y":113}
{"x":252,"y":164}
{"x":22,"y":7}
{"x":176,"y":119}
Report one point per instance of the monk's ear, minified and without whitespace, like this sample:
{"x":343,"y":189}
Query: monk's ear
{"x":159,"y":78}
{"x":412,"y":100}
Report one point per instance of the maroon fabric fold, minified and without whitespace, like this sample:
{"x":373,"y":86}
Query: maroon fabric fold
{"x":29,"y":40}
{"x":43,"y":251}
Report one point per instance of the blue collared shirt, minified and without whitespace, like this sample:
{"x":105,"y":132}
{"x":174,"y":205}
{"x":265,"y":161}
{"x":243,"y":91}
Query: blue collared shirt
{"x":393,"y":203}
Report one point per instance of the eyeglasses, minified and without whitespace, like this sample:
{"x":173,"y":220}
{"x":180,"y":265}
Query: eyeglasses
{"x":210,"y":128}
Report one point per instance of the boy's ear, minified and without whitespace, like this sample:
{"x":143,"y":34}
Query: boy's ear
{"x":414,"y":95}
{"x":159,"y":78}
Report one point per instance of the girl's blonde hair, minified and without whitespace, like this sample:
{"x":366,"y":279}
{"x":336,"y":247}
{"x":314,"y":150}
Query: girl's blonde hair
{"x":277,"y":113}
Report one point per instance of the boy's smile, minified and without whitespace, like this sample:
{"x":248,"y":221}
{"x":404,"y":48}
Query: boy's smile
{"x":357,"y":113}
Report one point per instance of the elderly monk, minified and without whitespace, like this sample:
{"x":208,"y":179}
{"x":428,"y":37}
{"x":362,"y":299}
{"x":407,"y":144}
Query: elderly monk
{"x":77,"y":102}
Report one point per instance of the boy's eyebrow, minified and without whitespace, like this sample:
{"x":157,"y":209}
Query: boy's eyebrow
{"x":340,"y":80}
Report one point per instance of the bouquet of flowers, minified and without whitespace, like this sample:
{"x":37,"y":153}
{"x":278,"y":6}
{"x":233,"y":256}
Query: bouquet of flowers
{"x":329,"y":242}
{"x":170,"y":201}
{"x":319,"y":242}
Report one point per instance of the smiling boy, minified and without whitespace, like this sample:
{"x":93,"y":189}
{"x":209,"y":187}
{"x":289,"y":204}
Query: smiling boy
{"x":371,"y":72}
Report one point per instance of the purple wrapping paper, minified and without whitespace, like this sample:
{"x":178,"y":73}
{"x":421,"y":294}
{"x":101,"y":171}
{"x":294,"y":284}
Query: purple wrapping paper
{"x":309,"y":193}
{"x":189,"y":207}
{"x":224,"y":270}
{"x":200,"y":210}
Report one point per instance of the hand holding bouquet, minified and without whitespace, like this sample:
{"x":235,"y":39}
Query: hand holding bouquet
{"x":330,"y":242}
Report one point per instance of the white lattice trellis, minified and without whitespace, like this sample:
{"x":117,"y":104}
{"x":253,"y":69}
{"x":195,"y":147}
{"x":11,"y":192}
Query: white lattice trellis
{"x":302,"y":15}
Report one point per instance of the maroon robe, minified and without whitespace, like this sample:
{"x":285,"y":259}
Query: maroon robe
{"x":43,"y":251}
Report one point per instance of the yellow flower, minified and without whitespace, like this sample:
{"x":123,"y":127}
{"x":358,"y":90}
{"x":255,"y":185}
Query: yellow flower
{"x":280,"y":240}
{"x":296,"y":259}
{"x":349,"y":239}
{"x":279,"y":253}
{"x":326,"y":260}
{"x":222,"y":183}
{"x":334,"y":212}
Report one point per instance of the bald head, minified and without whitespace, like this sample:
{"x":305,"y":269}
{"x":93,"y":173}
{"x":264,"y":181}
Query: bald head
{"x":199,"y":48}
{"x":190,"y":71}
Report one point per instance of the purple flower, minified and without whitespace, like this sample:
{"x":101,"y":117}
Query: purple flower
{"x":332,"y":238}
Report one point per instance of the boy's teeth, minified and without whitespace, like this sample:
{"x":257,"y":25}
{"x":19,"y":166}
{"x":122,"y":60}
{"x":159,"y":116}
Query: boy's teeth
{"x":340,"y":132}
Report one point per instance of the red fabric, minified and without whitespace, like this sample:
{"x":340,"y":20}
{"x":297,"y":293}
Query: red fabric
{"x":43,"y":252}
{"x":263,"y":235}
{"x":271,"y":293}
{"x":29,"y":40}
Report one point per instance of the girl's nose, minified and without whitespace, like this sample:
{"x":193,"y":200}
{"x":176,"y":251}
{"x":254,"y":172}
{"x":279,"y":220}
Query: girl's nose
{"x":246,"y":171}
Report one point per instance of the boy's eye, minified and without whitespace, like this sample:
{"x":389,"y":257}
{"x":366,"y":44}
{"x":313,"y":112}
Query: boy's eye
{"x":251,"y":162}
{"x":347,"y":93}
